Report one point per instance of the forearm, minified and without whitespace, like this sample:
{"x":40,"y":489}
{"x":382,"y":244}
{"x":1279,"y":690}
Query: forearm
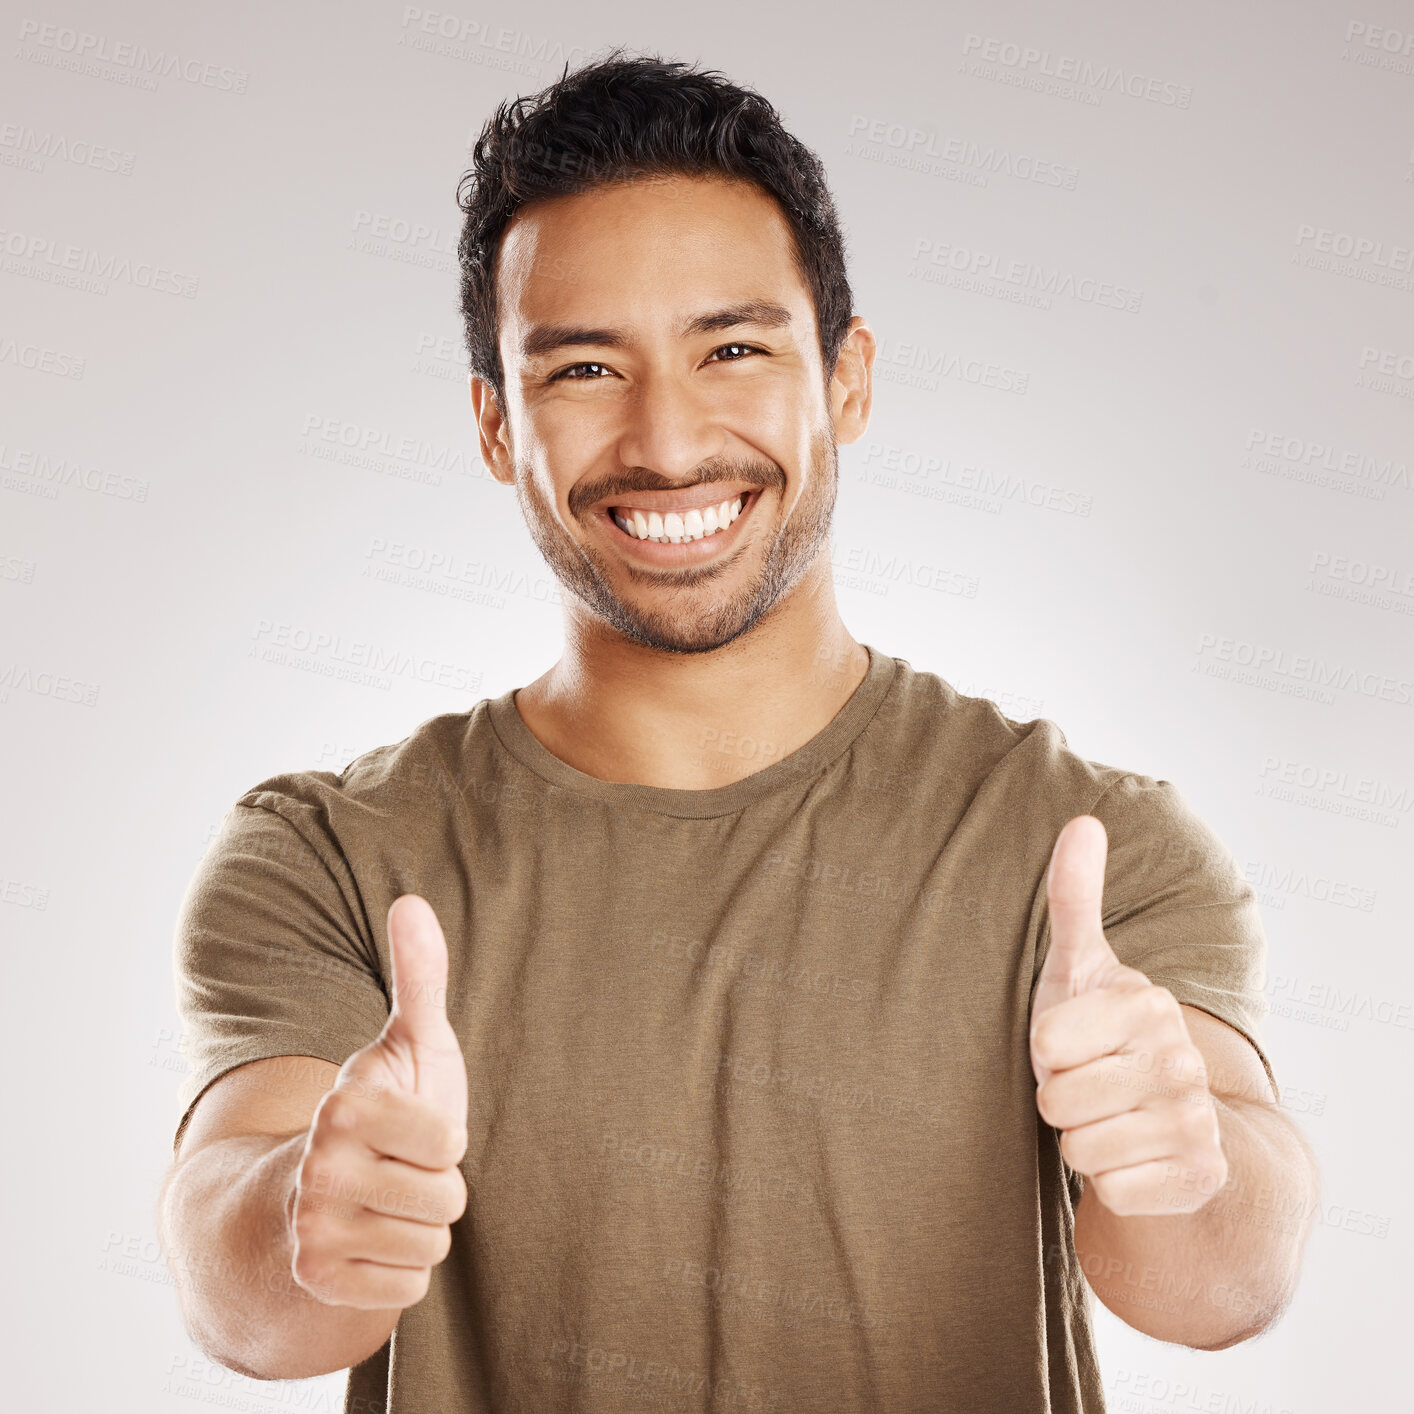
{"x":225,"y":1231}
{"x":1225,"y":1271}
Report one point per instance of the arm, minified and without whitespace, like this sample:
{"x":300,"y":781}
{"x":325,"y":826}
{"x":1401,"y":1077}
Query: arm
{"x":1225,"y":1271}
{"x":330,"y":1200}
{"x":223,"y":1218}
{"x":1198,"y":1192}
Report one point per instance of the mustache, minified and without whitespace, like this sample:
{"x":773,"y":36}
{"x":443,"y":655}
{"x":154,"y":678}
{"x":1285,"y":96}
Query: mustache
{"x":642,"y":478}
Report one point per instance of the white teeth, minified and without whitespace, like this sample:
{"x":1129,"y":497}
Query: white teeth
{"x":674,"y":528}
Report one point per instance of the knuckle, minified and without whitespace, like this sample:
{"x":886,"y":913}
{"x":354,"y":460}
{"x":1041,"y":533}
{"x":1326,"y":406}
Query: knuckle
{"x":311,"y":1229}
{"x":1045,"y":1102}
{"x":1158,"y":1002}
{"x":442,"y":1245}
{"x":414,"y":1286}
{"x":1198,"y":1121}
{"x":449,"y":1202}
{"x":1113,"y":1193}
{"x":453,"y":1142}
{"x":312,"y":1274}
{"x":338,"y":1111}
{"x":456,"y":1199}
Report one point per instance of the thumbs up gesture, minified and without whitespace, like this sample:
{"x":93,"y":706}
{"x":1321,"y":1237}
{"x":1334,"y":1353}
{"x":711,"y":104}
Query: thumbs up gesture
{"x":378,"y":1188}
{"x":1116,"y":1070}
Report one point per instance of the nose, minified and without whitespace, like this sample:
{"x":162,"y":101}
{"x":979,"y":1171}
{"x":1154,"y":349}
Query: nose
{"x":669,"y":426}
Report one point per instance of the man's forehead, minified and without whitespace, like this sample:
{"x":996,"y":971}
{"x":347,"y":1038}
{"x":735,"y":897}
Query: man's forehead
{"x":606,"y":232}
{"x":626,"y":264}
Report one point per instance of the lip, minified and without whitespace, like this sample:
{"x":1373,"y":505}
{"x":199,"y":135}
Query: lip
{"x":687,"y":552}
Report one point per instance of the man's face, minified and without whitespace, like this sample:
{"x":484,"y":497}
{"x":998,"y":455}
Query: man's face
{"x":661,"y":357}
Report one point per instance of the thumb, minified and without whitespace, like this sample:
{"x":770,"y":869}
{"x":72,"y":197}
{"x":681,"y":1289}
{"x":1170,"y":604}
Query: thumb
{"x":418,"y":1038}
{"x":1074,"y":892}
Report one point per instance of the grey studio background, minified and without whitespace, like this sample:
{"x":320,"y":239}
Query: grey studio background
{"x":1139,"y":462}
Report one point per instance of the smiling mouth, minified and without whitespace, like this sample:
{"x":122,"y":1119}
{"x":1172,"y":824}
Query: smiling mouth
{"x":678,"y":527}
{"x":682,"y":536}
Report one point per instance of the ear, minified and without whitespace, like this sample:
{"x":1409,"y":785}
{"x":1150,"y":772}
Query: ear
{"x":852,"y":386}
{"x":493,"y":430}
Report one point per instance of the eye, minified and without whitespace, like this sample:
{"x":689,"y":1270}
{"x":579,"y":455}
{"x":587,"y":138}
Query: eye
{"x":750,"y":348}
{"x":566,"y":372}
{"x":571,"y":373}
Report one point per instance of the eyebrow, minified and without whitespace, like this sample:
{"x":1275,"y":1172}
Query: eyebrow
{"x":545,"y":338}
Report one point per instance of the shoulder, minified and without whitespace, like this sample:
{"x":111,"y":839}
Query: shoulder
{"x":1155,"y":831}
{"x":424,"y":767}
{"x":984,"y":744}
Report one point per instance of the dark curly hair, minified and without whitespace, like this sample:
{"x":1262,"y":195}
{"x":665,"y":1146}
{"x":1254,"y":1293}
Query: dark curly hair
{"x":625,"y":117}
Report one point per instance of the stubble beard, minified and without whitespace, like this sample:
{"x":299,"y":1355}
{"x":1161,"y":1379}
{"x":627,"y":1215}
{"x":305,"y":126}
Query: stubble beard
{"x":685,"y":616}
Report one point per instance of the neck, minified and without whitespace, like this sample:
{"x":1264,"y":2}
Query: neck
{"x":619,"y":711}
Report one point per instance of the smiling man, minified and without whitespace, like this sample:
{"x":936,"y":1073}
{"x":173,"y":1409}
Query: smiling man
{"x":734,"y":1016}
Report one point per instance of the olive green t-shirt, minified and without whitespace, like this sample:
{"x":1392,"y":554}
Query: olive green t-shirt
{"x":752,"y":1118}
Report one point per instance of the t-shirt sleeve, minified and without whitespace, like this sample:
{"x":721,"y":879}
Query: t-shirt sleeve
{"x":272,"y":953}
{"x":1177,"y":907}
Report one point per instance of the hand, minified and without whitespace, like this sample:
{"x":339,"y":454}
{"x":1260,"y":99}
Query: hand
{"x":1116,"y":1070}
{"x":377,"y":1191}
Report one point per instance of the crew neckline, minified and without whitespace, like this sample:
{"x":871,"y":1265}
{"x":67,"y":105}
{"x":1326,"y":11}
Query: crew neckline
{"x":808,"y":759}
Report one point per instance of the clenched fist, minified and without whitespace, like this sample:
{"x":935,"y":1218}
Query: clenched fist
{"x":378,"y":1188}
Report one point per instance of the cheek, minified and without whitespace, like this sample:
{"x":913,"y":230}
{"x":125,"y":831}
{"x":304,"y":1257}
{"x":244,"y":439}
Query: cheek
{"x":575,"y":429}
{"x":771,"y":422}
{"x":764,"y":409}
{"x":564,"y":444}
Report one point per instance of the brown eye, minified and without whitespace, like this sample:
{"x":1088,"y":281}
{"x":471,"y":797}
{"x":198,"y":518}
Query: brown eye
{"x":747,"y":347}
{"x":566,"y":372}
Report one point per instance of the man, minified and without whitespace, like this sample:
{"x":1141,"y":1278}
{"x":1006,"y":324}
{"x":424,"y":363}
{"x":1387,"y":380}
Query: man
{"x":735,"y":1015}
